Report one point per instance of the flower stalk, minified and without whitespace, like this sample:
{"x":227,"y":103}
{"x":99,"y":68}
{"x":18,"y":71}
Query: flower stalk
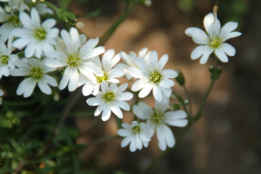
{"x":113,"y":27}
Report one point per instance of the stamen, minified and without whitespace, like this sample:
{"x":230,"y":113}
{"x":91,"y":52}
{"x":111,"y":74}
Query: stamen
{"x":105,"y":77}
{"x":4,"y":59}
{"x":36,"y":72}
{"x":73,"y":60}
{"x":155,"y":77}
{"x":40,"y":34}
{"x":109,"y":97}
{"x":136,"y":129}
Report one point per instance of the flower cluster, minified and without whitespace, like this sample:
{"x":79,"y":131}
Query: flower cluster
{"x":48,"y":50}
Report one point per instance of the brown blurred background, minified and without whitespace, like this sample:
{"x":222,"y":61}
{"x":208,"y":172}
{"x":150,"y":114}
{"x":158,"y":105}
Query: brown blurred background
{"x":227,"y":139}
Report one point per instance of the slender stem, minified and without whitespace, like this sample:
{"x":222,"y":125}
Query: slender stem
{"x":179,"y":140}
{"x":90,"y":126}
{"x":189,"y":98}
{"x":181,"y":100}
{"x":101,"y":140}
{"x":67,"y":110}
{"x":198,"y":115}
{"x":91,"y":14}
{"x":64,"y":116}
{"x":113,"y":27}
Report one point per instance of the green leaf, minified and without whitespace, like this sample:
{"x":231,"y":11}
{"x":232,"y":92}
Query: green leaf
{"x":32,"y":145}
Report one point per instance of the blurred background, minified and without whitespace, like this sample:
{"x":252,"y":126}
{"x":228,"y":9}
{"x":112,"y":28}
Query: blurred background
{"x":227,"y":138}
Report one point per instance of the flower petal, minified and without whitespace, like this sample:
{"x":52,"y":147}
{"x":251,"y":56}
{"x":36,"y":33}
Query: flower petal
{"x":44,"y":87}
{"x":116,"y":110}
{"x":157,"y":93}
{"x":198,"y":35}
{"x":228,"y":49}
{"x":221,"y":55}
{"x":146,"y":90}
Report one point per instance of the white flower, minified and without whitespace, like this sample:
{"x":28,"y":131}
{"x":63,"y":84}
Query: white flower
{"x":35,"y":71}
{"x":213,"y":40}
{"x":151,"y":76}
{"x":6,"y":60}
{"x":129,"y":59}
{"x":158,"y":119}
{"x":111,"y":98}
{"x":135,"y":134}
{"x":75,"y":58}
{"x":10,"y":21}
{"x":92,"y":83}
{"x":37,"y":37}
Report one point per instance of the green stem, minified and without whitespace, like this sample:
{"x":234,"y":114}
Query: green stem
{"x":91,"y":14}
{"x":113,"y":27}
{"x":181,"y":100}
{"x":179,"y":140}
{"x":101,"y":140}
{"x":189,"y":98}
{"x":90,"y":126}
{"x":198,"y":115}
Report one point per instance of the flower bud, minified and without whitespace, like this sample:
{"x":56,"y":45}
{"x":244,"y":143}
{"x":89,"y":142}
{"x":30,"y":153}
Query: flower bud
{"x":71,"y":16}
{"x":79,"y":24}
{"x":211,"y":69}
{"x":7,"y":8}
{"x":62,"y":14}
{"x":180,"y":78}
{"x":219,"y":70}
{"x":214,"y":76}
{"x":186,"y":101}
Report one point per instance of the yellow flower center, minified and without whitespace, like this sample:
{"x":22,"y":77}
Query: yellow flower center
{"x":157,"y":117}
{"x":73,"y":60}
{"x":105,"y":77}
{"x":40,"y":34}
{"x":136,"y":129}
{"x":215,"y":42}
{"x":155,"y":77}
{"x":36,"y":72}
{"x":4,"y":59}
{"x":109,"y":96}
{"x":14,"y":22}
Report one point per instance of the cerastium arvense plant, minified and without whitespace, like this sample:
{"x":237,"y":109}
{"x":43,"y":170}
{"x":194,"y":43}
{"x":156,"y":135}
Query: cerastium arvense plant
{"x":33,"y":136}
